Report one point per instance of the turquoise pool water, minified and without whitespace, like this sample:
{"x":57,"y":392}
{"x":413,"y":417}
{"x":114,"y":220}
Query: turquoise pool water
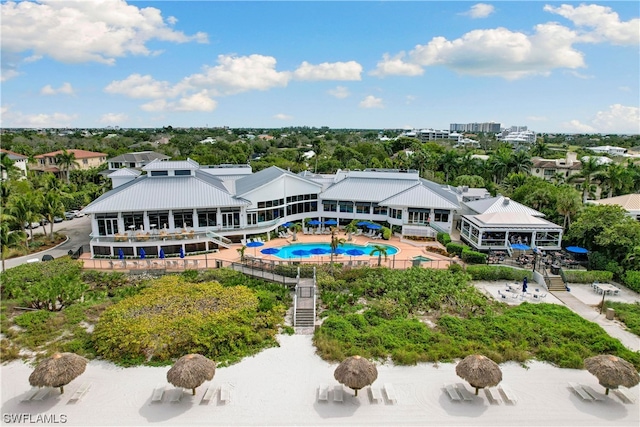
{"x":286,"y":252}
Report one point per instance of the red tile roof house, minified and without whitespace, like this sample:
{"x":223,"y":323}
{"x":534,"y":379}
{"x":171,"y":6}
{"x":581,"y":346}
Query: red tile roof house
{"x":84,"y":160}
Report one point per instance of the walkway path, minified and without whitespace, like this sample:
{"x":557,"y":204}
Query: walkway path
{"x":612,"y":327}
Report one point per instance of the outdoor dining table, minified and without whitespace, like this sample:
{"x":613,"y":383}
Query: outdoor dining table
{"x":606,"y":288}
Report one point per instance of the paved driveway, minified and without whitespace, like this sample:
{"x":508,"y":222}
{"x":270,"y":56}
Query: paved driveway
{"x":78,"y":230}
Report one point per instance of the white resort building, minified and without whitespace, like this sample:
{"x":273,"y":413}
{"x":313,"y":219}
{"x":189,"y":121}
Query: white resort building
{"x":182,"y":206}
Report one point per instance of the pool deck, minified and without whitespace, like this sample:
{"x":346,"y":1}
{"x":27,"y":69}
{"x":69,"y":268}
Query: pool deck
{"x":401,"y":260}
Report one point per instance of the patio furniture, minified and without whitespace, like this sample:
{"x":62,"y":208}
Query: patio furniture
{"x":323,"y":392}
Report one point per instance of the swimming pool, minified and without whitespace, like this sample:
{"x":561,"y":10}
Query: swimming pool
{"x":304,"y":250}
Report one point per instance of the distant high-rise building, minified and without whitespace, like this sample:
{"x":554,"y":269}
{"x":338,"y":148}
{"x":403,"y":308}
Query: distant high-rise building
{"x":487,"y":127}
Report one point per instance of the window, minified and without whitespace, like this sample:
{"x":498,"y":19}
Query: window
{"x":363,"y":208}
{"x":440,"y":215}
{"x":183,"y":218}
{"x":418,"y":216}
{"x":85,"y":161}
{"x":159,"y":173}
{"x":379,"y":210}
{"x":107,"y":224}
{"x":395,"y":213}
{"x":346,"y":206}
{"x":182,"y":172}
{"x":330,"y":206}
{"x":207,"y":217}
{"x":159,"y":218}
{"x":132,"y":220}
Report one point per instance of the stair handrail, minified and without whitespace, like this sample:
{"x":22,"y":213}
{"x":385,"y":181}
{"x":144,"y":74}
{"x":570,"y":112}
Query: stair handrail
{"x":315,"y":293}
{"x":219,"y":237}
{"x":295,"y":305}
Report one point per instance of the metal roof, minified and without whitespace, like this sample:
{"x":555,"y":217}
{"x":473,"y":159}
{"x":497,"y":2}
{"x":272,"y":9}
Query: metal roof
{"x":420,"y":196}
{"x":137,"y":157}
{"x":164,"y":193}
{"x":124,"y":172}
{"x":443,"y":190}
{"x":161,"y":165}
{"x":501,"y":204}
{"x":510,"y":220}
{"x":366,"y":189}
{"x":249,"y":183}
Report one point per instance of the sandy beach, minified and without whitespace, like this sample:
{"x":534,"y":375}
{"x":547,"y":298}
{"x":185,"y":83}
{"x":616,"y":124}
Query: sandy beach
{"x":279,"y":386}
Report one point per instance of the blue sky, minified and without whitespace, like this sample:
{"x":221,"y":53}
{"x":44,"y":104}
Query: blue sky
{"x":552,"y":66}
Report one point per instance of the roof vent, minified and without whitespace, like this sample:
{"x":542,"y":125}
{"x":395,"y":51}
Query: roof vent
{"x":465,"y":188}
{"x":506,"y":201}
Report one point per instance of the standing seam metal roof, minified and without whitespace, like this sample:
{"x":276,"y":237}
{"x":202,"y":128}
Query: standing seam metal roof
{"x":501,"y":204}
{"x":420,"y":196}
{"x":249,"y":183}
{"x":366,"y":189}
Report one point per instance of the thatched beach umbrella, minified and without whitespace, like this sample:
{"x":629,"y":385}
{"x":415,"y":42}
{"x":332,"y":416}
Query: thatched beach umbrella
{"x":479,"y":371}
{"x":58,"y":370}
{"x":612,"y":371}
{"x":191,"y":371}
{"x":356,"y":372}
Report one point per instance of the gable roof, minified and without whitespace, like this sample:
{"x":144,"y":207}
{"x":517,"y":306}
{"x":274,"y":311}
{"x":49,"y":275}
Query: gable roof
{"x":630,"y":202}
{"x":80,"y":154}
{"x":249,"y":183}
{"x":138,"y":157}
{"x":419,"y":196}
{"x":366,"y":189}
{"x":124,"y":172}
{"x":12,"y":155}
{"x":164,"y":193}
{"x":511,"y":220}
{"x":501,"y":204}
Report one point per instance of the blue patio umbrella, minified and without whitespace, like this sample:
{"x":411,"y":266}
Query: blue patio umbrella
{"x":120,"y":254}
{"x":300,"y":252}
{"x":363,"y":224}
{"x":374,"y":226}
{"x":161,"y":253}
{"x":287,"y":224}
{"x":181,"y":253}
{"x":319,"y":251}
{"x":331,"y":222}
{"x":339,"y":251}
{"x":577,"y":250}
{"x":355,"y":252}
{"x":314,"y":222}
{"x":254,"y":244}
{"x":270,"y":251}
{"x":520,"y":247}
{"x":142,"y":253}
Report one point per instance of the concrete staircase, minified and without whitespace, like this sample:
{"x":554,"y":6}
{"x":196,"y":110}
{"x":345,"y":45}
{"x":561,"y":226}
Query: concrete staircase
{"x":305,"y":317}
{"x":556,"y":284}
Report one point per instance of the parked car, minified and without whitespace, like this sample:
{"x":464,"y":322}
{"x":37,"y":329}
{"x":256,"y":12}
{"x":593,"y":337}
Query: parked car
{"x":31,"y":225}
{"x":69,"y":215}
{"x":58,"y":219}
{"x":79,"y":214}
{"x":44,"y":221}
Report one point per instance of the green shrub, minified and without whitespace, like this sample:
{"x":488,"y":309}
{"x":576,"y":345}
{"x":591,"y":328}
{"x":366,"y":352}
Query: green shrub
{"x":454,"y":267}
{"x":455,"y":248}
{"x":32,"y":320}
{"x":386,"y":233}
{"x":587,"y":276}
{"x":172,"y":317}
{"x":443,"y":238}
{"x":492,"y":272}
{"x":629,"y":314}
{"x":473,"y":257}
{"x":632,"y":280}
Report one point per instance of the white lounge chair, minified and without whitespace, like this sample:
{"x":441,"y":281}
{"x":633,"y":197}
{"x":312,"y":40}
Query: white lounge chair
{"x":225,"y":394}
{"x":376,"y":394}
{"x":390,"y":392}
{"x":462,"y":389}
{"x":493,"y":395}
{"x":30,"y":394}
{"x":338,"y":393}
{"x":624,"y":395}
{"x":81,"y":391}
{"x":508,"y":394}
{"x":452,"y":392}
{"x":158,"y":392}
{"x":323,"y":392}
{"x":208,"y":395}
{"x":594,"y":394}
{"x":577,"y":388}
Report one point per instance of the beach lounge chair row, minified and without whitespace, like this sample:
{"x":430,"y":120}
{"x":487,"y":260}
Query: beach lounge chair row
{"x":40,"y":394}
{"x":175,"y":395}
{"x":323,"y":393}
{"x":586,"y":393}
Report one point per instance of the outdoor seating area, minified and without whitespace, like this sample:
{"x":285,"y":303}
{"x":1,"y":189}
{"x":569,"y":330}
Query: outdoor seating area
{"x":605,"y":288}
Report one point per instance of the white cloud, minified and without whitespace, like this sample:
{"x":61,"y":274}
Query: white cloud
{"x":17,"y":119}
{"x":502,"y":52}
{"x":85,"y":31}
{"x":617,"y":119}
{"x":328,"y":71}
{"x":605,"y":23}
{"x":340,"y":92}
{"x":196,"y":102}
{"x":480,"y":10}
{"x":371,"y":102}
{"x":140,"y":87}
{"x":113,"y":118}
{"x":65,"y":89}
{"x":579,"y":75}
{"x":409,"y":99}
{"x":237,"y":74}
{"x":282,"y":116}
{"x":8,"y":74}
{"x":395,"y":66}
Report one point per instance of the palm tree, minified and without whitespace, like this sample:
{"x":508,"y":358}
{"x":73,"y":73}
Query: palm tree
{"x":498,"y":163}
{"x":8,"y":240}
{"x":588,"y":171}
{"x":540,"y":149}
{"x":520,"y":161}
{"x":613,"y":178}
{"x":350,"y":229}
{"x":296,"y":228}
{"x":7,"y":169}
{"x":380,"y":250}
{"x":335,"y":242}
{"x":51,"y":207}
{"x":241,"y":251}
{"x":568,"y":204}
{"x":66,"y":161}
{"x":449,"y":163}
{"x":20,"y":207}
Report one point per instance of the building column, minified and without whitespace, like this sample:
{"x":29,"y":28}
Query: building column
{"x":172,"y":224}
{"x":195,"y":218}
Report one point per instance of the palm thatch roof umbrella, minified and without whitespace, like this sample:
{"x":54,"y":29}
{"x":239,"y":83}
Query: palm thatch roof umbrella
{"x":190,"y":371}
{"x":58,"y":370}
{"x":479,"y":371}
{"x":356,"y":372}
{"x":612,"y":371}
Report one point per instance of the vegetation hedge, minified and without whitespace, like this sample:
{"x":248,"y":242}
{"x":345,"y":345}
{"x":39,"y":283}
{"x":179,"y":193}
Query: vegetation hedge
{"x":383,"y":314}
{"x":587,"y":276}
{"x":443,"y":238}
{"x":455,"y":248}
{"x":491,"y":272}
{"x":632,"y":280}
{"x":173,"y":317}
{"x":473,"y":257}
{"x":629,"y":314}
